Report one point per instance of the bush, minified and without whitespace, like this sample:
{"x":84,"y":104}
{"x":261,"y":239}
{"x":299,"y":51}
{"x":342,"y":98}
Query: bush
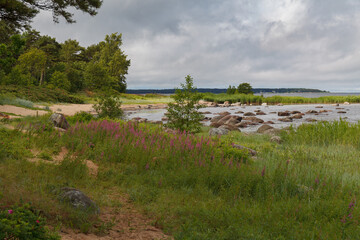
{"x":109,"y":106}
{"x":23,"y":223}
{"x":82,"y":117}
{"x":183,"y":114}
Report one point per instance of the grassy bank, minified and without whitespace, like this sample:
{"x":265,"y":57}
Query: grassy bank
{"x":195,"y":187}
{"x":243,"y":98}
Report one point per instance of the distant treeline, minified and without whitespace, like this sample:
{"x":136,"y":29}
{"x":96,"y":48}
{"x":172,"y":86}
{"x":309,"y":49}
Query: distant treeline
{"x":223,"y":90}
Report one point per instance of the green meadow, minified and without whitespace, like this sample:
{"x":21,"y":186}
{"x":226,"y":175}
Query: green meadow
{"x":193,"y":186}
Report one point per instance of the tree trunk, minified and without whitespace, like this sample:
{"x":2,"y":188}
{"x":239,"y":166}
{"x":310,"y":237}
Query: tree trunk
{"x":42,"y":77}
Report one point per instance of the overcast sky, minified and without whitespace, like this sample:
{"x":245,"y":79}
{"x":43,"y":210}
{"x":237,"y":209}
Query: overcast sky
{"x":268,"y":43}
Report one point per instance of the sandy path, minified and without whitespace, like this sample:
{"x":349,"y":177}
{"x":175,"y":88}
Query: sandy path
{"x":70,"y":109}
{"x":21,"y":111}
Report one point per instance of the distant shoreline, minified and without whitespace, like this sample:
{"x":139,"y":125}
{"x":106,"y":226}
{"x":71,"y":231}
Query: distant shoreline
{"x":223,"y":90}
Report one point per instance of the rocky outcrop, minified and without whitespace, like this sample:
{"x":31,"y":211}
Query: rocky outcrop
{"x":285,"y":119}
{"x":228,"y":122}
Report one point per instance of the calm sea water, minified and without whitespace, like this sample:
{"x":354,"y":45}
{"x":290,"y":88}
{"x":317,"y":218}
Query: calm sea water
{"x":352,"y":111}
{"x":309,"y":95}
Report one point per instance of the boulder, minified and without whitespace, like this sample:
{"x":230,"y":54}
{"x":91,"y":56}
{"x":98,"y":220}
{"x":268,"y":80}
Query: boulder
{"x":283,"y":114}
{"x":319,"y":107}
{"x":239,"y":112}
{"x":264,"y":128}
{"x":297,"y":116}
{"x":233,"y":121}
{"x":295,"y":112}
{"x":224,"y":119}
{"x":341,"y":112}
{"x":276,"y":139}
{"x":253,"y":119}
{"x":78,"y":200}
{"x":264,"y":104}
{"x":242,"y":124}
{"x":218,"y":131}
{"x":223,"y":113}
{"x":269,"y":122}
{"x":310,"y":120}
{"x":323,"y":111}
{"x":215,"y":124}
{"x":229,"y":127}
{"x":251,"y":151}
{"x":207,"y":112}
{"x":346,"y":103}
{"x":260,"y":113}
{"x":216,"y":119}
{"x":164,"y":119}
{"x":335,"y":104}
{"x":285,"y":119}
{"x":280,"y":104}
{"x":249,"y":114}
{"x":226,"y":104}
{"x":59,"y":120}
{"x":311,"y":112}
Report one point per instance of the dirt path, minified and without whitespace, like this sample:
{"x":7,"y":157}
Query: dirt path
{"x":125,"y":221}
{"x":21,"y":111}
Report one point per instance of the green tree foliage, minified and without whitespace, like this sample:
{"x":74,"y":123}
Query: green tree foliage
{"x":231,"y":90}
{"x":245,"y":88}
{"x":60,"y":80}
{"x":19,"y":13}
{"x":34,"y":62}
{"x":37,"y":58}
{"x":183,"y":114}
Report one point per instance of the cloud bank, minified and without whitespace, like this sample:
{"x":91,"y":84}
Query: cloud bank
{"x":283,"y":43}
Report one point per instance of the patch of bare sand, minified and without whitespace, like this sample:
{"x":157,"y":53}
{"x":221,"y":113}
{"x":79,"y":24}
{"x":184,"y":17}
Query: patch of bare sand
{"x":93,"y":168}
{"x":21,"y":111}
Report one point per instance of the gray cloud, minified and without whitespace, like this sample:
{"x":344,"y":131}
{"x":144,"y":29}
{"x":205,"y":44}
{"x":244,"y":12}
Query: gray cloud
{"x":283,"y":43}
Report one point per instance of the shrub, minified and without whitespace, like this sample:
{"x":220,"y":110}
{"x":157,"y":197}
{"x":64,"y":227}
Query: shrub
{"x":109,"y":106}
{"x":183,"y":114}
{"x":23,"y":223}
{"x":83,"y":117}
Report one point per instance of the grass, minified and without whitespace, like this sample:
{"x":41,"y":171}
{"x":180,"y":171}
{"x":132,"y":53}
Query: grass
{"x":253,"y":99}
{"x":195,"y":186}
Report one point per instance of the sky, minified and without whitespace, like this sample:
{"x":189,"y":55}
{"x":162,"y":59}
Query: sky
{"x":267,"y":43}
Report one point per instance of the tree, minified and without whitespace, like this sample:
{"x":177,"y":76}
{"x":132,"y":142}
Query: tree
{"x":245,"y":88}
{"x":19,"y":13}
{"x":34,"y":62}
{"x":109,"y":106}
{"x":60,"y":80}
{"x":231,"y":90}
{"x":183,"y":114}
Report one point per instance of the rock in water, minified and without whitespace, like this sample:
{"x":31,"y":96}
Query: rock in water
{"x":264,"y":128}
{"x":78,"y":200}
{"x":59,"y":120}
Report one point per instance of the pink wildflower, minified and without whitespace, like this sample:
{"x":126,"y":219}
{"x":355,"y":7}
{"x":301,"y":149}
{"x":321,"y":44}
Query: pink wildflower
{"x":10,"y":211}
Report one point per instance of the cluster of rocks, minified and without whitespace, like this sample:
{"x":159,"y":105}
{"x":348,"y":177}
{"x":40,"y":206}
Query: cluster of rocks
{"x":224,"y":123}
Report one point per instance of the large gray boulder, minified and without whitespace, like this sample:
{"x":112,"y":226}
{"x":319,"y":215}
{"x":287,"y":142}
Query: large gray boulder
{"x":59,"y":120}
{"x":78,"y":200}
{"x":218,"y":131}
